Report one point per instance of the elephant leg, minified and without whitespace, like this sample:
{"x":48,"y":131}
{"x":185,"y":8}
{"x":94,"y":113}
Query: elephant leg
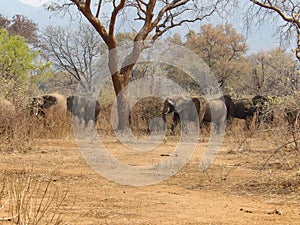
{"x":176,"y":120}
{"x":164,"y":122}
{"x":219,"y":126}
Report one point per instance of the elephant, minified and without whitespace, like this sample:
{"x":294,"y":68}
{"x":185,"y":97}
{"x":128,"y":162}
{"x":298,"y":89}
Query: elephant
{"x":84,"y":108}
{"x":49,"y":106}
{"x":229,"y":106}
{"x":184,"y":109}
{"x":40,"y":104}
{"x":263,"y":111}
{"x":209,"y":111}
{"x":216,"y":112}
{"x":244,"y":109}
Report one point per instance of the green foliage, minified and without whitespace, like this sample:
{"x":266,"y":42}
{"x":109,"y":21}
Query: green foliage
{"x":20,"y":67}
{"x":15,"y":55}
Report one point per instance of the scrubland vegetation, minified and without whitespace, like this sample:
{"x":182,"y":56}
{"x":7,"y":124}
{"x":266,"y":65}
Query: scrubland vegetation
{"x":33,"y":64}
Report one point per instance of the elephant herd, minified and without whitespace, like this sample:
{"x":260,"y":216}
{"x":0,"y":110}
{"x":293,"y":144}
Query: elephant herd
{"x":224,"y":109}
{"x":85,"y":109}
{"x":218,"y":111}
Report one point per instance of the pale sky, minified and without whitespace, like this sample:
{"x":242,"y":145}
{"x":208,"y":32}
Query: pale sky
{"x":35,"y":3}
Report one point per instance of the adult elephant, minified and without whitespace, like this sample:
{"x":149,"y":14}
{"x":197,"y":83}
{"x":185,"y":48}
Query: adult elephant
{"x":244,"y":109}
{"x":209,"y":111}
{"x":229,"y":106}
{"x":184,"y":109}
{"x":50,"y":106}
{"x":263,"y":111}
{"x":84,"y":108}
{"x":216,"y":112}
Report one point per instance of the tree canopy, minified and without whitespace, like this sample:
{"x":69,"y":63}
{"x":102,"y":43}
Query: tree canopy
{"x":19,"y":65}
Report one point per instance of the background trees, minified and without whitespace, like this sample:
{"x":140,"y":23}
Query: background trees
{"x":20,"y":66}
{"x":273,"y":72}
{"x":289,"y":14}
{"x":267,"y":72}
{"x":222,"y":48}
{"x":20,"y":25}
{"x":154,"y":18}
{"x":74,"y":53}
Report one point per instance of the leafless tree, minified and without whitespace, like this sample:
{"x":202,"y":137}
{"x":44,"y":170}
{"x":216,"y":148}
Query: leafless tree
{"x":74,"y":51}
{"x":288,"y":11}
{"x":154,"y":19}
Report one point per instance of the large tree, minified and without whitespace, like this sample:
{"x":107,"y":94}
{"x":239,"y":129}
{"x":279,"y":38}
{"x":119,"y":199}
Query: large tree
{"x":288,"y":11}
{"x":154,"y":19}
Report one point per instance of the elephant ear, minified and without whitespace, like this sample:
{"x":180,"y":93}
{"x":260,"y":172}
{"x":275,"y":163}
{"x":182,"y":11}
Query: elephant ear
{"x":49,"y":101}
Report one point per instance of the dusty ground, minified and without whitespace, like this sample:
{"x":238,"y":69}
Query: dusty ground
{"x":236,"y":189}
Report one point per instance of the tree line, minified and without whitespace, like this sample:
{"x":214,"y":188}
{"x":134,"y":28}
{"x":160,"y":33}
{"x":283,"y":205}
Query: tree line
{"x":72,"y":53}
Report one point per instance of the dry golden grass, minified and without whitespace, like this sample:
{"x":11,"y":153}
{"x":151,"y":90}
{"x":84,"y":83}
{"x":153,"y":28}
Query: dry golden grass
{"x":259,"y":162}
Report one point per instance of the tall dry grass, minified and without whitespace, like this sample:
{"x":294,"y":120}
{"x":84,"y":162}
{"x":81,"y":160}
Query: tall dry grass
{"x":20,"y":132}
{"x":28,"y":199}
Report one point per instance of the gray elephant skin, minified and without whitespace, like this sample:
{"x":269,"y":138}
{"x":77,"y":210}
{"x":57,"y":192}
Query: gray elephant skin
{"x":229,"y":106}
{"x":244,"y":109}
{"x":184,"y":109}
{"x":84,"y":108}
{"x":210,"y":111}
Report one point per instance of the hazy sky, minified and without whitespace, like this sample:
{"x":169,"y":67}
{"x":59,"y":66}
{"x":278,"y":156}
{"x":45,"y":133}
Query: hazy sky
{"x":35,"y":3}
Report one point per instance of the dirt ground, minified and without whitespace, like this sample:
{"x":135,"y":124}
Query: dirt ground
{"x":240,"y":187}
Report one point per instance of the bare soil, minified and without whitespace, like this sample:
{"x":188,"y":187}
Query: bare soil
{"x":242,"y":185}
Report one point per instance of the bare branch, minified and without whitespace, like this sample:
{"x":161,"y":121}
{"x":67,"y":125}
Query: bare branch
{"x":274,"y":8}
{"x":98,"y":8}
{"x":114,"y":14}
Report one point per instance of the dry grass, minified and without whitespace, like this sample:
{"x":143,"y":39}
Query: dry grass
{"x":275,"y":148}
{"x":26,"y":198}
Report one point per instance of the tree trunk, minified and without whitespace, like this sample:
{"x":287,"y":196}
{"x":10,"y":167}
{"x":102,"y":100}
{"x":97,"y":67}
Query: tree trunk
{"x":298,"y":45}
{"x":123,"y":111}
{"x":120,"y":82}
{"x":122,"y":101}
